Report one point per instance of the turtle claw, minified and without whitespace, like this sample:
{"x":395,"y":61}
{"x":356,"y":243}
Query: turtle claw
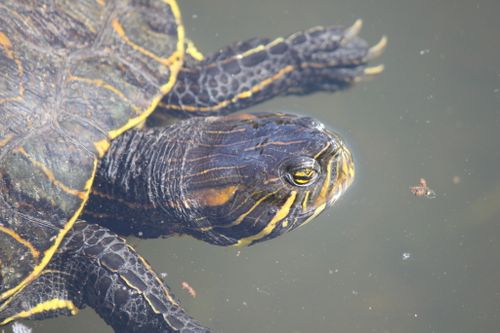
{"x":352,"y":31}
{"x":369,"y":72}
{"x":374,"y":70}
{"x":376,"y":50}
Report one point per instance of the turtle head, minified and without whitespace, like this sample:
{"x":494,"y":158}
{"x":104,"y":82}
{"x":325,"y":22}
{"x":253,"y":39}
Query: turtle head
{"x":254,"y":177}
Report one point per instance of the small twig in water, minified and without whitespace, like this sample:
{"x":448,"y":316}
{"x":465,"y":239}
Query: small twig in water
{"x":190,"y":290}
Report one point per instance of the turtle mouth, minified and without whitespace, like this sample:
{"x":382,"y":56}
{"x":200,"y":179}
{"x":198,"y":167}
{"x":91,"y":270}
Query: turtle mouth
{"x":340,"y":175}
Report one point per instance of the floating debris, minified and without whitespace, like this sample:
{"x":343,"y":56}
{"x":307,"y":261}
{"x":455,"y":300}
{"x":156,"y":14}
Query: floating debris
{"x":405,"y":256}
{"x":263,"y":291}
{"x":21,"y":328}
{"x":190,"y":290}
{"x":422,"y":190}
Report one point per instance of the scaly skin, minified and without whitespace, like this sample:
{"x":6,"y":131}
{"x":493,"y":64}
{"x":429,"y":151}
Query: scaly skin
{"x":97,"y":268}
{"x":246,"y":73}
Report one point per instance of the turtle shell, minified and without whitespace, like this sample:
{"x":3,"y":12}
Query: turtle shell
{"x":74,"y":75}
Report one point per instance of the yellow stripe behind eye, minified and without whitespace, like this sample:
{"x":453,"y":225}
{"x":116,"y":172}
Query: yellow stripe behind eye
{"x":306,"y":199}
{"x":326,"y":184}
{"x":278,"y":217}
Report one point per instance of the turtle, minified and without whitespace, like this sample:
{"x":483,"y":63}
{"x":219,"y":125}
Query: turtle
{"x":113,"y":124}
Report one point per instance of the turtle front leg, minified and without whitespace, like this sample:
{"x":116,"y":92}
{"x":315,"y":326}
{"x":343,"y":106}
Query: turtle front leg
{"x":99,"y":269}
{"x":250,"y":72}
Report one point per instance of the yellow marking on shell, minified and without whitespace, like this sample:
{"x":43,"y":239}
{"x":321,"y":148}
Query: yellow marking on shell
{"x":102,"y":84}
{"x":174,"y":68}
{"x":213,"y":197}
{"x":193,"y":51}
{"x":47,"y":255}
{"x":34,"y":252}
{"x":278,"y":217}
{"x":6,"y":139}
{"x":52,"y":305}
{"x":51,"y":176}
{"x":102,"y":147}
{"x":175,"y":62}
{"x":6,"y":44}
{"x":141,"y":125}
{"x":243,"y":95}
{"x":101,"y":3}
{"x":117,"y":26}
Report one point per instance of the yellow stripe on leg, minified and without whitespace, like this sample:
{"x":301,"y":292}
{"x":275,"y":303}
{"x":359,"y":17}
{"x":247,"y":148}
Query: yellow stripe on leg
{"x":52,"y":305}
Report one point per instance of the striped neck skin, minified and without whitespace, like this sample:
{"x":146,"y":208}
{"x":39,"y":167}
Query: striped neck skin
{"x":234,"y":180}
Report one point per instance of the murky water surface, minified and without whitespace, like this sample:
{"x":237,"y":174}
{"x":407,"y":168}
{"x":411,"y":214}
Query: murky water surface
{"x":382,"y":260}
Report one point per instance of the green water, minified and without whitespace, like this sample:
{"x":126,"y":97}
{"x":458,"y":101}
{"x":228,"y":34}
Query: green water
{"x":382,"y":260}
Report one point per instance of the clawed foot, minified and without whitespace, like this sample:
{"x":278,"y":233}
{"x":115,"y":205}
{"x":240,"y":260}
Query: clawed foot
{"x":333,"y":58}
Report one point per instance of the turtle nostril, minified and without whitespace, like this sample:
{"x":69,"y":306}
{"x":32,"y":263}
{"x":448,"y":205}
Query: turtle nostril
{"x":335,"y":138}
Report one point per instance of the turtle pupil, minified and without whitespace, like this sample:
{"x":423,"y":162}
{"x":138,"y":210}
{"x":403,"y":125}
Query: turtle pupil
{"x":303,"y":176}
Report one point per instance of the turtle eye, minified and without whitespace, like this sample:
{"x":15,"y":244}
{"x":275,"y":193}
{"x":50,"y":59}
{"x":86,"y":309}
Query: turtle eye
{"x":303,"y":177}
{"x":303,"y":172}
